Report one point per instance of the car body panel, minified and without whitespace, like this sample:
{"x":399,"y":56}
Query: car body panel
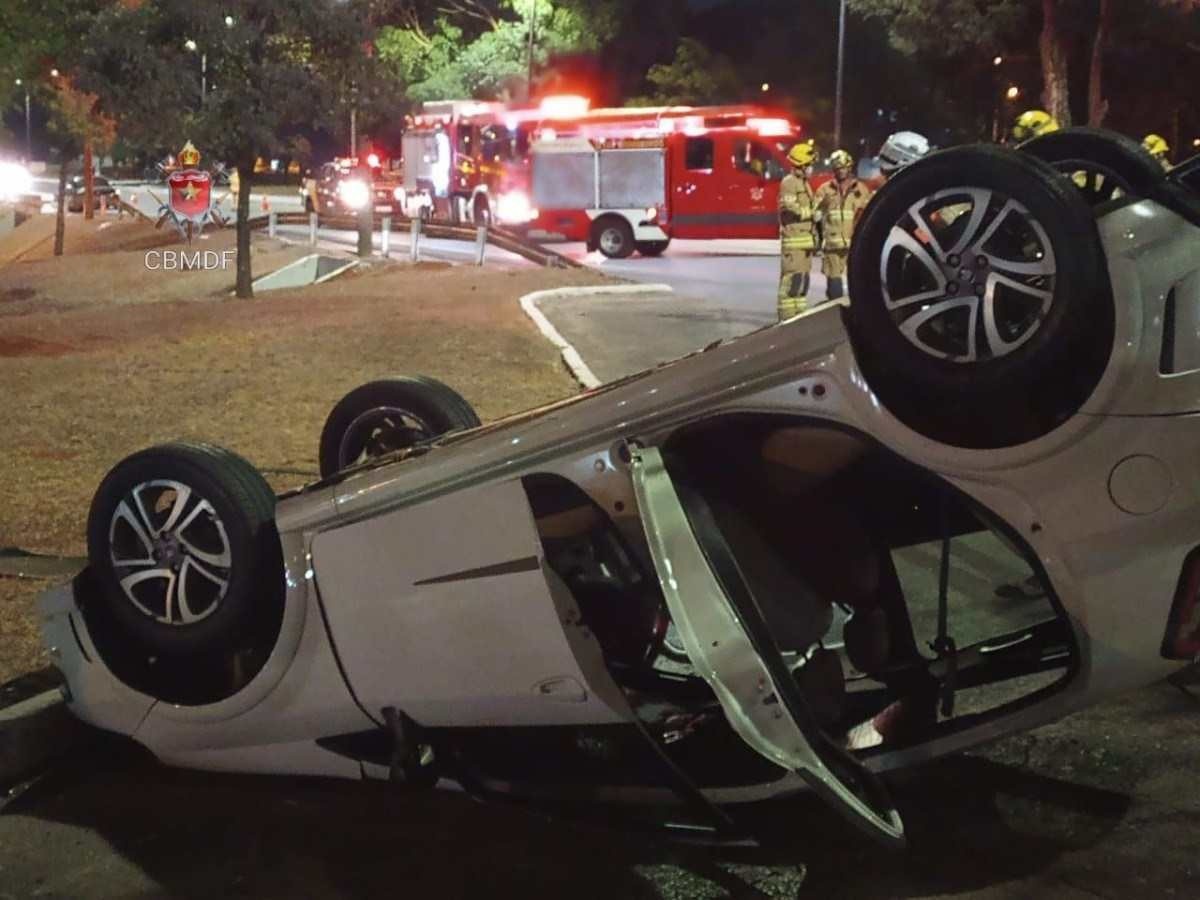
{"x":401,"y":588}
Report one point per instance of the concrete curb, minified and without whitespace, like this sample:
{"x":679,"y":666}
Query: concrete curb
{"x":33,"y":733}
{"x":578,"y":368}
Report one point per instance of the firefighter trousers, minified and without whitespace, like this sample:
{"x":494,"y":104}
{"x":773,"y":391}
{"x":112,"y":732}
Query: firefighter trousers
{"x":833,"y":265}
{"x":795,"y":266}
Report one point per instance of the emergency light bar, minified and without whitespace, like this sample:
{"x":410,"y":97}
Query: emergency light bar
{"x":565,"y":106}
{"x":771,"y":127}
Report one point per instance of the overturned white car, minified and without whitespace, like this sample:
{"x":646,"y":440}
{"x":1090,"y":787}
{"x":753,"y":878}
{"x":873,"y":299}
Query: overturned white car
{"x":963,"y":505}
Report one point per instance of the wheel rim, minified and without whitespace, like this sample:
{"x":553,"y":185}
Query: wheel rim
{"x":379,"y":431}
{"x":968,"y":275}
{"x":612,"y":241}
{"x":1098,"y":184}
{"x":170,"y":551}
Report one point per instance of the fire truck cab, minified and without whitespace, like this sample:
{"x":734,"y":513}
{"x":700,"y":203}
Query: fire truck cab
{"x":466,"y":160}
{"x":704,"y":175}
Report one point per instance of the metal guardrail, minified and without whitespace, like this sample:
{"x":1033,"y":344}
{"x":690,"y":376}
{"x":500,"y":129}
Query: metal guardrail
{"x":441,"y":230}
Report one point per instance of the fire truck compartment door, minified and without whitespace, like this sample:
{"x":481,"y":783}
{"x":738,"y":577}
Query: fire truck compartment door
{"x":575,"y":175}
{"x":730,"y":645}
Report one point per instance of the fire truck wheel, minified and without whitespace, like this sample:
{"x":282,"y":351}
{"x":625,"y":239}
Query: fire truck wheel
{"x":981,"y":313}
{"x":653,"y":248}
{"x":392,"y":414}
{"x":1102,"y":164}
{"x":613,"y":236}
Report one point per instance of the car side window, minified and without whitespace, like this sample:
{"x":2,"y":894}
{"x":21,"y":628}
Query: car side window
{"x":698,"y":154}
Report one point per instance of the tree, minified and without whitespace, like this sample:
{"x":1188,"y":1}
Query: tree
{"x":696,"y":76}
{"x":1146,"y":16}
{"x":958,"y":27}
{"x":274,"y":67}
{"x":482,"y":49}
{"x":77,"y":126}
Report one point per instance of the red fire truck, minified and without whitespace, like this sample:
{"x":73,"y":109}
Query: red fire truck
{"x":467,"y":160}
{"x":704,"y":174}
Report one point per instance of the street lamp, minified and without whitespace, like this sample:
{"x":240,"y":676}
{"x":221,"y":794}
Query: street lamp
{"x":229,"y":21}
{"x":28,"y":129}
{"x":841,"y":60}
{"x":766,"y":86}
{"x":1013,"y":92}
{"x":999,"y":60}
{"x":191,"y":47}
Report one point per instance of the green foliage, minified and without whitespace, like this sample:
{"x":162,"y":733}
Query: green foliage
{"x":948,"y":27}
{"x":482,"y":50}
{"x":280,"y":67}
{"x":696,"y":76}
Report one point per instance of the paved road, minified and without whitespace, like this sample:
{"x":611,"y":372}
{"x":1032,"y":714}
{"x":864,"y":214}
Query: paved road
{"x":730,"y":282}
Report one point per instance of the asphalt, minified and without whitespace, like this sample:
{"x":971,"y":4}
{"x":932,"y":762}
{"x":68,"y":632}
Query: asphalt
{"x":1102,"y":805}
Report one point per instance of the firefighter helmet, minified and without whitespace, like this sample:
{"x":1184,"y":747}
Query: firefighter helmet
{"x":841,"y":160}
{"x":1156,"y":145}
{"x":901,"y":149}
{"x":803,"y":155}
{"x":1032,"y":123}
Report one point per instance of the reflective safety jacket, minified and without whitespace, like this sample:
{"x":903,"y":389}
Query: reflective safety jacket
{"x":839,"y":207}
{"x":797,"y":213}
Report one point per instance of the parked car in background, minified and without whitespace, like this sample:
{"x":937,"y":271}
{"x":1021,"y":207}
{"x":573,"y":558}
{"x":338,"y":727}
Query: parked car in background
{"x":101,"y":188}
{"x":336,"y":188}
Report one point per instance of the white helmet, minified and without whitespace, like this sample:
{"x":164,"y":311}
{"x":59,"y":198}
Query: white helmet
{"x":900,"y":149}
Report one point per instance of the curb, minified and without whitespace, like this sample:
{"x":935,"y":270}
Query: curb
{"x":574,"y":362}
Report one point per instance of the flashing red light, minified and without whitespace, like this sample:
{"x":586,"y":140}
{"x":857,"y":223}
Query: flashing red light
{"x":373,"y":160}
{"x":771,"y":127}
{"x":565,"y":106}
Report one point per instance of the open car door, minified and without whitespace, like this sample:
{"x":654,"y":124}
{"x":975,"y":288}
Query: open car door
{"x":727,"y":638}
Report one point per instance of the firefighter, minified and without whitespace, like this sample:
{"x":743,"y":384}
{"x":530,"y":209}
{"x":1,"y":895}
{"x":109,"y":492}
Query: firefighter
{"x":1156,"y":145}
{"x":797,"y":231}
{"x":900,"y":150}
{"x":840,"y":204}
{"x":1033,"y":123}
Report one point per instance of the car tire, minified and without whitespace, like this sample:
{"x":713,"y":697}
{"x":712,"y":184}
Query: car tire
{"x":983,"y":328}
{"x":613,"y":237}
{"x":182,"y":541}
{"x":1099,"y":163}
{"x":653,"y":248}
{"x":388,"y":415}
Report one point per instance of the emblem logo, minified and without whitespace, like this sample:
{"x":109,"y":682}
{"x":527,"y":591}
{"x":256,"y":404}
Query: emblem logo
{"x":190,"y":197}
{"x":189,"y":204}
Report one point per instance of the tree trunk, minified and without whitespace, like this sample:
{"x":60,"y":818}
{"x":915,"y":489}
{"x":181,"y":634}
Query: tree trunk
{"x":244,"y":277}
{"x":1097,"y":105}
{"x":1055,"y":88}
{"x":60,"y":222}
{"x":366,"y":215}
{"x":89,"y":181}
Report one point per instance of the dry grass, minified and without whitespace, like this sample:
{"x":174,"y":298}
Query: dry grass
{"x":92,"y":374}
